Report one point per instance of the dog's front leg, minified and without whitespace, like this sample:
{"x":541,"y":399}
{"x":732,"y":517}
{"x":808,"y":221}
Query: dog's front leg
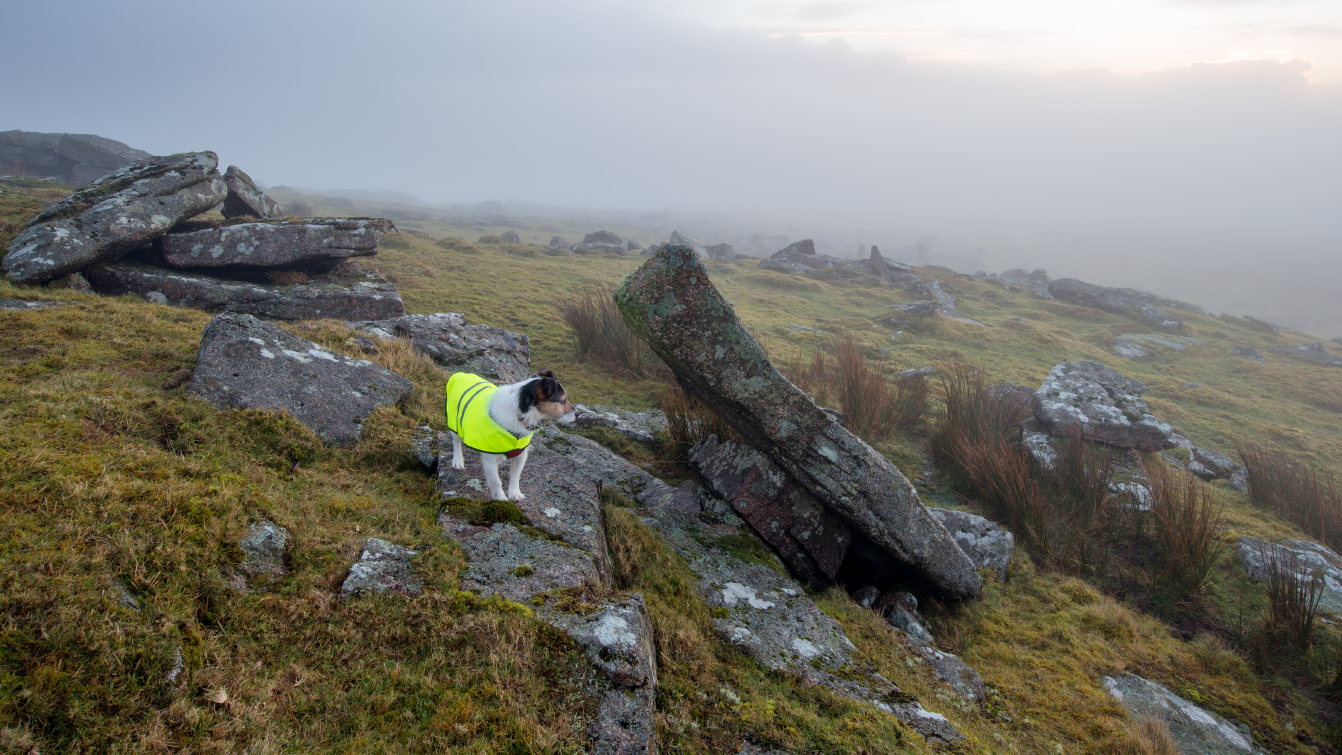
{"x":491,"y":464}
{"x":515,"y":475}
{"x":458,"y":462}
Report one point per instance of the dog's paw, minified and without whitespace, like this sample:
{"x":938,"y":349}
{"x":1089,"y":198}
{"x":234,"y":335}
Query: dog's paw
{"x":458,"y":463}
{"x":516,"y":497}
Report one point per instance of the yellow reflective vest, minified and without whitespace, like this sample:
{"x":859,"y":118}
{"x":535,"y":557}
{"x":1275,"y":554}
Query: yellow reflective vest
{"x":468,"y":416}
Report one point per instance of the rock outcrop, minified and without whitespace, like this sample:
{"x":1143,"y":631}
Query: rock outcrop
{"x":1115,"y":300}
{"x":346,"y":293}
{"x":720,"y":252}
{"x":643,"y":427}
{"x":810,"y":540}
{"x":492,"y":353}
{"x":382,"y":567}
{"x":602,"y":241}
{"x":114,"y":215}
{"x":671,"y":304}
{"x":1248,"y":352}
{"x":984,"y":542}
{"x":1193,"y":729}
{"x":1136,"y":346}
{"x":245,"y":363}
{"x":74,"y":159}
{"x":558,"y":244}
{"x":324,"y":242}
{"x":246,"y":198}
{"x":265,"y":551}
{"x":1303,"y":559}
{"x":1312,"y":351}
{"x":1101,"y":404}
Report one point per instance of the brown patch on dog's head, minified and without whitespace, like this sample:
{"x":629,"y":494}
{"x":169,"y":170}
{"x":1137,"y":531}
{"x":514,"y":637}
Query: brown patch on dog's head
{"x":547,"y":395}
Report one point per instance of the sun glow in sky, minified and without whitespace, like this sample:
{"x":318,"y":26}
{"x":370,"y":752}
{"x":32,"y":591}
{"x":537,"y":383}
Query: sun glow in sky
{"x":1048,"y":35}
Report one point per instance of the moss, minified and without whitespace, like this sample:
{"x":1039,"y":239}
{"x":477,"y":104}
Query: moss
{"x":750,"y":549}
{"x":485,"y":513}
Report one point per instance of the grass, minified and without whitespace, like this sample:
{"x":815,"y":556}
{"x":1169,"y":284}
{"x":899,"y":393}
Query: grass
{"x":601,"y":335}
{"x":1281,"y":483}
{"x":109,"y":482}
{"x":1185,"y":524}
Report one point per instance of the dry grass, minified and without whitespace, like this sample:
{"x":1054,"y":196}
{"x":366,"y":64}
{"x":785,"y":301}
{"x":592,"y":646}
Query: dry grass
{"x":1293,"y":595}
{"x":688,"y":421}
{"x":600,"y":335}
{"x":1186,"y":524}
{"x":873,"y":408}
{"x":1295,"y":490}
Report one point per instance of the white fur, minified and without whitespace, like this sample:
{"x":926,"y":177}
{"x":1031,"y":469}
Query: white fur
{"x":503,"y":409}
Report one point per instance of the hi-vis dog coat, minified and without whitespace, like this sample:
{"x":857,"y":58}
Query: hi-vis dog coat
{"x":468,"y":416}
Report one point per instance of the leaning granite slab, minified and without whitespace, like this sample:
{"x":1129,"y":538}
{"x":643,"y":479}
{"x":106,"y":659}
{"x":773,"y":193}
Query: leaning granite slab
{"x":643,"y":427}
{"x":246,"y":363}
{"x":1310,"y":561}
{"x":276,"y":243}
{"x":1312,"y":351}
{"x":1101,"y":404}
{"x":382,"y":567}
{"x":1194,"y":730}
{"x":342,"y":294}
{"x":492,"y":353}
{"x":984,"y":542}
{"x":1143,"y":345}
{"x":810,"y":540}
{"x":246,"y":198}
{"x":118,"y":213}
{"x":1115,"y":300}
{"x":671,"y":304}
{"x":557,"y":558}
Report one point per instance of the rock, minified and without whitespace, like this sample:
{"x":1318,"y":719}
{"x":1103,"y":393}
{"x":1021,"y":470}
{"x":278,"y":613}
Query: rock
{"x":1248,"y":353}
{"x":866,"y":596}
{"x":1262,"y":326}
{"x":1036,"y":440}
{"x":382,"y":567}
{"x":720,"y":252}
{"x":810,"y":540}
{"x":1102,"y":404}
{"x":346,"y":293}
{"x":965,"y":681}
{"x":901,"y":612}
{"x":76,"y":159}
{"x":1305,"y":559}
{"x":512,"y":237}
{"x":424,"y":447}
{"x":603,"y":241}
{"x":1194,"y":730}
{"x":73,"y":282}
{"x":878,"y":264}
{"x":677,"y":238}
{"x":1313,"y":351}
{"x":245,"y":363}
{"x":805,"y":246}
{"x":246,"y":198}
{"x":672,"y":305}
{"x":1118,"y":301}
{"x":1142,"y":345}
{"x":917,"y":372}
{"x":984,"y":542}
{"x":116,"y":214}
{"x":1037,"y":281}
{"x":265,"y":549}
{"x":558,"y":243}
{"x":924,"y":308}
{"x":643,"y":427}
{"x":279,"y":243}
{"x":492,"y":353}
{"x":17,"y":305}
{"x":631,"y":246}
{"x":554,"y":551}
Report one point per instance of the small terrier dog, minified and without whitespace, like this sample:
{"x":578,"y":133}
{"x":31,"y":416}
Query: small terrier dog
{"x":498,"y":421}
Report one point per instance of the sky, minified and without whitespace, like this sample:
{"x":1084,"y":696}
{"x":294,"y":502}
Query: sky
{"x":1213,"y":122}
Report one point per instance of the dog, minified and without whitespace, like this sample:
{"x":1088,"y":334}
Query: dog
{"x":498,"y":421}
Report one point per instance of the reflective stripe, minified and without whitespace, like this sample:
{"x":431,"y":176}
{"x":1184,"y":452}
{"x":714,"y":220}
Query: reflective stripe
{"x":468,"y":397}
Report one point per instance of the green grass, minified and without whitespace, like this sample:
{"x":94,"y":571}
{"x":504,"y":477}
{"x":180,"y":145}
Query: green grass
{"x":109,"y":482}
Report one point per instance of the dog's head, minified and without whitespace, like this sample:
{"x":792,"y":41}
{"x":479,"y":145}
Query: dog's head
{"x":547,"y":396}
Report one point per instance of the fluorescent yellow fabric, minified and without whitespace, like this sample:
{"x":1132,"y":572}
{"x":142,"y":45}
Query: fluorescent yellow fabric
{"x":467,"y":408}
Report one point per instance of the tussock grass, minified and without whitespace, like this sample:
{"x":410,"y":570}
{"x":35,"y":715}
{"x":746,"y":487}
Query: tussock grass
{"x":1295,"y":490}
{"x":688,"y":421}
{"x":601,"y":335}
{"x":1293,"y":595}
{"x":1185,"y":523}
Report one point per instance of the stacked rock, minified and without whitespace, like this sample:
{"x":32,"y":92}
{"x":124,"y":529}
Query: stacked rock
{"x":130,"y":232}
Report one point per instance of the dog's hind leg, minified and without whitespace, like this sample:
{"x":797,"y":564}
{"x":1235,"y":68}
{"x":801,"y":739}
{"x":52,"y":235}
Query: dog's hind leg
{"x":515,"y":475}
{"x":491,"y":464}
{"x":458,"y":462}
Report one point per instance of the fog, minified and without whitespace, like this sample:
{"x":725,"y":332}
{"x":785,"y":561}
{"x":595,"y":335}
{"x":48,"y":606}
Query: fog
{"x":1214,"y":180}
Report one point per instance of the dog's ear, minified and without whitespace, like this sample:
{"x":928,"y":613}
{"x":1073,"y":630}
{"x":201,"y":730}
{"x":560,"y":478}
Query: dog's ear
{"x":545,"y":374}
{"x":545,"y":388}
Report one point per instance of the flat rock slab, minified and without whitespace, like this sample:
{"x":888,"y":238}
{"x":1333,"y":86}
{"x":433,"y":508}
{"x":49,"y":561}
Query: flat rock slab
{"x":17,"y":305}
{"x":984,"y":542}
{"x":643,"y":427}
{"x":671,"y":304}
{"x":492,"y":353}
{"x":1100,"y":403}
{"x":275,"y":243}
{"x":1249,"y":353}
{"x":1115,"y":300}
{"x":246,"y":198}
{"x":558,"y":555}
{"x":1312,"y":351}
{"x":265,"y":549}
{"x":245,"y":363}
{"x":116,"y":214}
{"x":1305,"y":559}
{"x":382,"y":567}
{"x":341,"y":294}
{"x":810,"y":540}
{"x":1194,"y":730}
{"x":1144,"y":345}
